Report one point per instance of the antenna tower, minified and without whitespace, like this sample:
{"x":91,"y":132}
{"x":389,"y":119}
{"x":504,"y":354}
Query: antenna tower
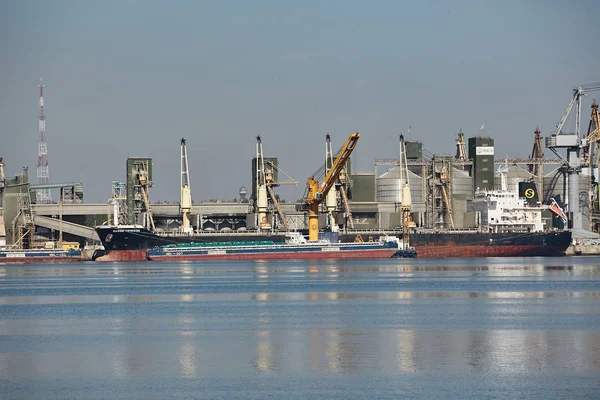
{"x":43,"y":196}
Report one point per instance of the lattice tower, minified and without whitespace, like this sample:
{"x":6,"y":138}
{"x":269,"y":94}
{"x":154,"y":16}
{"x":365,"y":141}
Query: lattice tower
{"x":43,"y":196}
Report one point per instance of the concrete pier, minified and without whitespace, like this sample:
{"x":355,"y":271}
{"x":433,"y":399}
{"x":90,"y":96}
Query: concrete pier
{"x":583,"y":250}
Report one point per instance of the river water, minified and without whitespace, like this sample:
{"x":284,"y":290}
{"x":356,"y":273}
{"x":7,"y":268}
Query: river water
{"x":375,"y":329}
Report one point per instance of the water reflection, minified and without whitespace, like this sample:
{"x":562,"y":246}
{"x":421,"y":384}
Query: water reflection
{"x":405,"y":351}
{"x":346,"y":351}
{"x":294,"y":296}
{"x":304,"y":318}
{"x":499,"y":266}
{"x":264,"y":360}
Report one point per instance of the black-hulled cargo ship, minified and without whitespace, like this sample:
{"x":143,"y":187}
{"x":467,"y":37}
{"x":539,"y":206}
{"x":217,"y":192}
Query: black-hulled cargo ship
{"x":128,"y":243}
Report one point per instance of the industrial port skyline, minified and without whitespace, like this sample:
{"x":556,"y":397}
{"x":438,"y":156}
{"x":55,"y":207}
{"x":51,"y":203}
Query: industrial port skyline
{"x":289,"y":74}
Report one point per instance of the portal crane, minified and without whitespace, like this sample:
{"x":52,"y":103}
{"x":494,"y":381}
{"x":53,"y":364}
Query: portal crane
{"x":186,"y":191}
{"x":1,"y":173}
{"x":265,"y":183}
{"x":344,"y":183}
{"x":590,"y":159}
{"x":143,"y":178}
{"x":317,"y":192}
{"x":331,"y":198}
{"x":573,"y":142}
{"x":593,"y":137}
{"x":537,"y":153}
{"x":461,"y":152}
{"x":444,"y":181}
{"x":262,"y":203}
{"x":405,"y":197}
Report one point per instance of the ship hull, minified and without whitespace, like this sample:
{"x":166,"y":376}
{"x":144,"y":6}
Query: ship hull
{"x":465,"y":245}
{"x":138,"y":238}
{"x":486,"y":251}
{"x":122,"y":256}
{"x":39,"y":256}
{"x":320,"y":255}
{"x":427,"y":245}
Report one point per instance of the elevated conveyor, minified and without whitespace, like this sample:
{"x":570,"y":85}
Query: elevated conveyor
{"x":67,"y":227}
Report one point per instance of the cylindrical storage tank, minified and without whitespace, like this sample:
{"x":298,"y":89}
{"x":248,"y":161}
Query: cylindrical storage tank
{"x":462,"y":183}
{"x":554,"y":186}
{"x":514,"y":175}
{"x":389,"y":187}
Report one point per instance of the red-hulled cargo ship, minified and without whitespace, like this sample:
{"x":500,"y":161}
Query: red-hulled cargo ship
{"x":40,"y":256}
{"x":477,"y":244}
{"x":295,"y":247}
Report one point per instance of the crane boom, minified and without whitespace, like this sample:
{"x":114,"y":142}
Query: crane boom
{"x":317,"y":192}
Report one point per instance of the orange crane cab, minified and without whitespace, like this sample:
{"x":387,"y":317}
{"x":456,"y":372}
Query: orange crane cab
{"x":318,"y":192}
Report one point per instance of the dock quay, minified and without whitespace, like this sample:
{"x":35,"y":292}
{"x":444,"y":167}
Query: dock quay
{"x":583,"y":250}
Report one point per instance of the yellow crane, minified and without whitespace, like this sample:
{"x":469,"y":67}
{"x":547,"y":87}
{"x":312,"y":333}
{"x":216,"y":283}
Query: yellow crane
{"x":318,"y":192}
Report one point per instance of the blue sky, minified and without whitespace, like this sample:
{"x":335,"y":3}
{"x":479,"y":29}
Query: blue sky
{"x":130,"y":78}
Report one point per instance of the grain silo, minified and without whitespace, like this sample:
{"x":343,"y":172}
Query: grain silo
{"x":388,"y":188}
{"x":462,"y":183}
{"x":462,"y":193}
{"x":514,"y":175}
{"x":554,"y":188}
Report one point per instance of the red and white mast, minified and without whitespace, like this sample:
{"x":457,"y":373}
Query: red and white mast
{"x":43,"y":196}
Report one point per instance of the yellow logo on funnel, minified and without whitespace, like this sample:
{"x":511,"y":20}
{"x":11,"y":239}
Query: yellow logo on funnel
{"x":529,"y":193}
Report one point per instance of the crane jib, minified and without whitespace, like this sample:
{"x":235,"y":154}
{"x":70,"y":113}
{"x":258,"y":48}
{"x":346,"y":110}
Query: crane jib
{"x":316,"y":194}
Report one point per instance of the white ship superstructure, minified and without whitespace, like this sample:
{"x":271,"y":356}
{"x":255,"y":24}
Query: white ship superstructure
{"x":504,"y":211}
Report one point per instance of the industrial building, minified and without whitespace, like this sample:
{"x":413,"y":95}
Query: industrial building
{"x":441,"y":187}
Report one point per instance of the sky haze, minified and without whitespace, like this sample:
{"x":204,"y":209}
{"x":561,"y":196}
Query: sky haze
{"x":130,"y":78}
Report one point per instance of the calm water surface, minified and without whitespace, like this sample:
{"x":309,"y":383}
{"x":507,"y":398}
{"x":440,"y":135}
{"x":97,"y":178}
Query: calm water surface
{"x":462,"y":328}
